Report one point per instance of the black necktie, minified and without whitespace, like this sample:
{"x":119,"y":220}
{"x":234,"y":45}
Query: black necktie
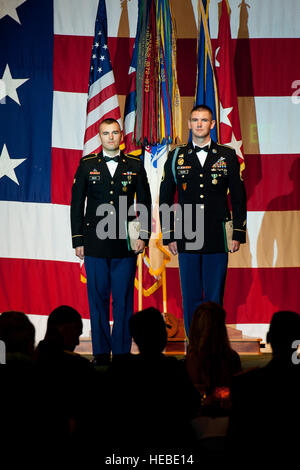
{"x":197,"y":149}
{"x":111,"y":159}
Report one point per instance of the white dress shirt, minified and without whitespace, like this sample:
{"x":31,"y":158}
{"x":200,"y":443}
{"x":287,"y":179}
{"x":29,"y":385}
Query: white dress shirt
{"x":202,"y":154}
{"x":111,"y":165}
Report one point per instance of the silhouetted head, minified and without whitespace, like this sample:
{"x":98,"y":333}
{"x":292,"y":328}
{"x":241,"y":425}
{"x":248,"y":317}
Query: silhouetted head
{"x":17,"y":332}
{"x":64,"y":327}
{"x":284,"y":329}
{"x":148,"y":330}
{"x":208,"y":329}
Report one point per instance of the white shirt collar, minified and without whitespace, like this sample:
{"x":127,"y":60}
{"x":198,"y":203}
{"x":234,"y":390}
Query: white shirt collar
{"x":109,"y":156}
{"x":208,"y":143}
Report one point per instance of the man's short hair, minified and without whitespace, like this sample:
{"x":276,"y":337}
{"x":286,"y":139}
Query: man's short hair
{"x":202,"y":107}
{"x":63,"y":315}
{"x":109,"y":121}
{"x":17,"y":332}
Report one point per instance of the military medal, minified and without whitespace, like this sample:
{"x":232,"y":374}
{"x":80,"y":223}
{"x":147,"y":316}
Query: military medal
{"x":124,"y":184}
{"x":180,"y":161}
{"x":214,"y":176}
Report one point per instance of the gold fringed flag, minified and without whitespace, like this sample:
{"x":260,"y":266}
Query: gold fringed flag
{"x":158,"y":110}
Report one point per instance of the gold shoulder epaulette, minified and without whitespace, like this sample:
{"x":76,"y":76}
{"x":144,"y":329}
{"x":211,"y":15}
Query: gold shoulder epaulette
{"x":87,"y":157}
{"x":225,"y":145}
{"x":133,"y":157}
{"x":178,"y":146}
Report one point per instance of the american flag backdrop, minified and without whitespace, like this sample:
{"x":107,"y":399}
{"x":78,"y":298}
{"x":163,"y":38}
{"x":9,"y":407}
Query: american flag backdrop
{"x":45,"y":59}
{"x":102,"y":94}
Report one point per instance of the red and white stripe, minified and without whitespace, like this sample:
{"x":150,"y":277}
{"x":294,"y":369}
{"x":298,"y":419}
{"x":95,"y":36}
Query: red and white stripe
{"x":102,"y":103}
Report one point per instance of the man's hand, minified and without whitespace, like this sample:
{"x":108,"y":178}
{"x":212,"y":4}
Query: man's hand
{"x":173,"y":248}
{"x":235,"y":246}
{"x":139,"y":247}
{"x":79,"y":251}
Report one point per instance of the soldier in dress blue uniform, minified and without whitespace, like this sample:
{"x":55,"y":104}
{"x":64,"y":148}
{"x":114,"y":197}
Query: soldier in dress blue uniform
{"x":99,"y":237}
{"x":203,"y":172}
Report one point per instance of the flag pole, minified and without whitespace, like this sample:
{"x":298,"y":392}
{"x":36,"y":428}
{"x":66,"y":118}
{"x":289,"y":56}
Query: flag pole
{"x":140,"y":274}
{"x":164,"y":289}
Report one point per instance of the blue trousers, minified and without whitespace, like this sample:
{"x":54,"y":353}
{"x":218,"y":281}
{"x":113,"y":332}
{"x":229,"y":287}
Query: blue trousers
{"x":202,"y":278}
{"x":113,"y":276}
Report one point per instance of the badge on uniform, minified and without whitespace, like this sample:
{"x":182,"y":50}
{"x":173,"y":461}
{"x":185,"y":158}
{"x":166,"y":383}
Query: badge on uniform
{"x":184,"y":185}
{"x":180,"y":161}
{"x":130,"y":174}
{"x":214,"y":178}
{"x":94,"y":176}
{"x":220,"y":165}
{"x":124,"y":184}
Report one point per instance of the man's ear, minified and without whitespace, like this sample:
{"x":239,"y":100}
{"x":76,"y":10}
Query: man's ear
{"x":189,"y":124}
{"x":213,"y":123}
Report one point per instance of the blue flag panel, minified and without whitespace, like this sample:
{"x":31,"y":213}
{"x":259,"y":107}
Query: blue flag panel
{"x":26,"y":69}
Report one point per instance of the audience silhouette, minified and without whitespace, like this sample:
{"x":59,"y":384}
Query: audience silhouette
{"x":210,"y":360}
{"x":64,"y":327}
{"x":265,"y":401}
{"x":22,"y":422}
{"x":65,"y":374}
{"x":151,"y":394}
{"x":18,"y":334}
{"x":148,"y":402}
{"x":211,"y":363}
